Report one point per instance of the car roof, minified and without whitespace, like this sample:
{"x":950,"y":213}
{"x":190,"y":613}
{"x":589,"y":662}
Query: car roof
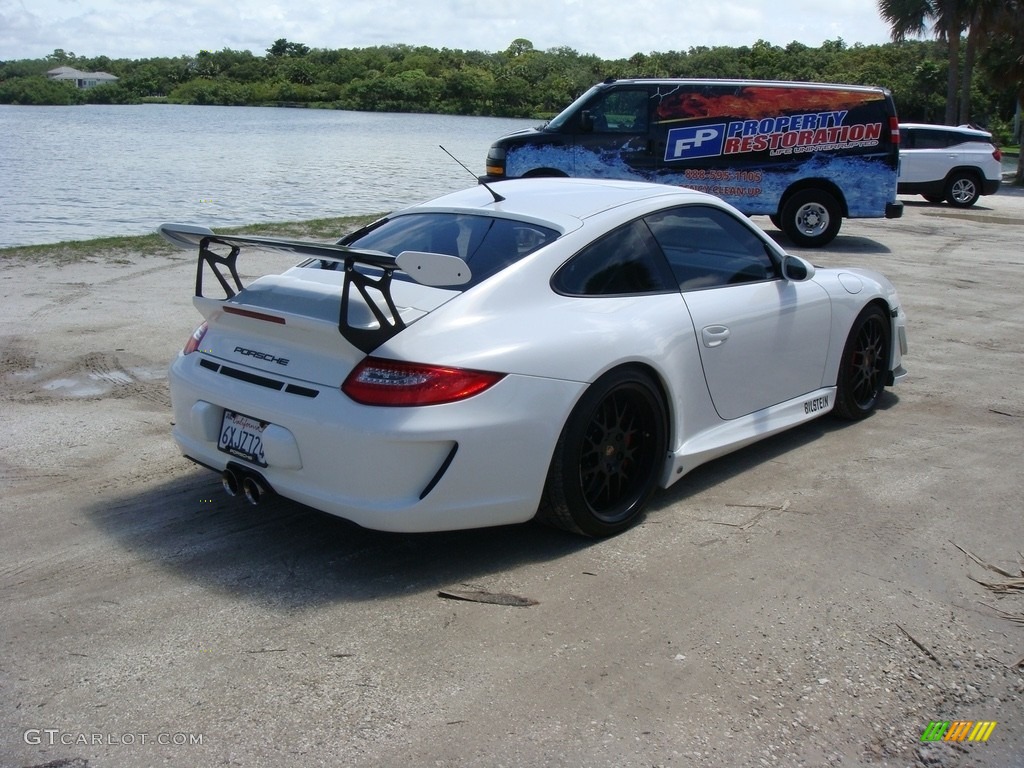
{"x":560,"y":203}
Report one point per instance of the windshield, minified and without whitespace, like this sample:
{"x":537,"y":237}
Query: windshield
{"x":563,"y":116}
{"x":487,"y":244}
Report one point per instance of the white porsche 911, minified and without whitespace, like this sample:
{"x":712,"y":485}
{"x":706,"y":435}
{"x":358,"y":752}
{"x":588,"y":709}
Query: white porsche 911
{"x":551,"y":348}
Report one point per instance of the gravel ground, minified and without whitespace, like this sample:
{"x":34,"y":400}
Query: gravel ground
{"x":813,"y":600}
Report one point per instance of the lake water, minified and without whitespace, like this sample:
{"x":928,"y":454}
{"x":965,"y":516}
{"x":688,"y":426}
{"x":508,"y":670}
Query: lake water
{"x":73,"y":173}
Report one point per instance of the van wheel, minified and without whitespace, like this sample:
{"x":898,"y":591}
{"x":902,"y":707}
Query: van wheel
{"x":811,"y":218}
{"x":776,"y":220}
{"x":609,"y":457}
{"x":962,"y":190}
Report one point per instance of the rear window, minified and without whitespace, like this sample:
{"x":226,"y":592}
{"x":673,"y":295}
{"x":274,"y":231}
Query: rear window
{"x":487,"y":244}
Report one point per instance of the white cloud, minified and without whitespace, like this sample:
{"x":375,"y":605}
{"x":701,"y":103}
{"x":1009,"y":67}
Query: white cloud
{"x":606,"y":28}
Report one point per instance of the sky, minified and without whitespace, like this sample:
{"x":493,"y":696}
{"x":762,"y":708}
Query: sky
{"x":609,"y":29}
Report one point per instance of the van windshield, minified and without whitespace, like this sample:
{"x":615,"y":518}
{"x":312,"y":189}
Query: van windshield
{"x":563,"y":117}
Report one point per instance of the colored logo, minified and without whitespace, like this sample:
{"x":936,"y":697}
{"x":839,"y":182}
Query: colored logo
{"x":695,"y":141}
{"x":958,"y":730}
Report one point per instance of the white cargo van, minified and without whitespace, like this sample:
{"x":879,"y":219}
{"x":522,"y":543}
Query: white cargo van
{"x":805,"y":154}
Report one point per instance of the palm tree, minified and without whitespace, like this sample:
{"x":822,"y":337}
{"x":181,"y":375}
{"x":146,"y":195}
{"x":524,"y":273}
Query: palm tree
{"x":1004,"y":52}
{"x":911,"y":18}
{"x":984,"y":19}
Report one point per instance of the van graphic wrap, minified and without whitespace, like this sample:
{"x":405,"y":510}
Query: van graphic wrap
{"x":754,"y":144}
{"x":865,"y":181}
{"x":752,"y":102}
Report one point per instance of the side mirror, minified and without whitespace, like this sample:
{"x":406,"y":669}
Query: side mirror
{"x":796,"y":269}
{"x":586,"y":121}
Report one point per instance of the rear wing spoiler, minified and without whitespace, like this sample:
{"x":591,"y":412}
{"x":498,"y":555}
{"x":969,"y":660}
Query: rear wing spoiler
{"x":434,"y":269}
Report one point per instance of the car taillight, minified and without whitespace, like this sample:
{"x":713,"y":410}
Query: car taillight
{"x":376,"y":381}
{"x":195,"y":339}
{"x":997,"y":154}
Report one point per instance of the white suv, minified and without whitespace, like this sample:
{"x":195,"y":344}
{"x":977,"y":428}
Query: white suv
{"x":944,"y":162}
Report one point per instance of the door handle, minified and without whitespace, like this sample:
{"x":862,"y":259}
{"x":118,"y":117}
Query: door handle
{"x":714,"y":336}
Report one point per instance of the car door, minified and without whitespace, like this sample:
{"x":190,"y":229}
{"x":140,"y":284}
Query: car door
{"x":613,"y":139}
{"x":762,"y":339}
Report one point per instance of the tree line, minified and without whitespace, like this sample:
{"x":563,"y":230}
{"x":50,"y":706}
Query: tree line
{"x":520,"y":81}
{"x":968,"y":28}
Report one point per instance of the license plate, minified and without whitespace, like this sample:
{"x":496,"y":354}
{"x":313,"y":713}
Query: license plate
{"x":242,"y":436}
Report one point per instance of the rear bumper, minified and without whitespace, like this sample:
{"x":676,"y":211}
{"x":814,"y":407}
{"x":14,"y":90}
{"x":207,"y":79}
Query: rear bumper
{"x":475,"y":463}
{"x":990,"y":186}
{"x":894,"y":210}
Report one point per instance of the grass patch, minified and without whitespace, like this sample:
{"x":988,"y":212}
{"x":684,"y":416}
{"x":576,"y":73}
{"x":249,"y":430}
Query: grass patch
{"x":314,"y":229}
{"x":122,"y":250}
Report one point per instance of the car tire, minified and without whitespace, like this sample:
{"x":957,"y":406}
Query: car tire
{"x":864,"y":366}
{"x":609,"y":457}
{"x":962,"y":189}
{"x":776,"y":220}
{"x":811,"y":218}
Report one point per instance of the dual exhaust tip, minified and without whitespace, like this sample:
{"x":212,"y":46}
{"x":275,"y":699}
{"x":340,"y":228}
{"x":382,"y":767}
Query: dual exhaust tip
{"x":249,"y":484}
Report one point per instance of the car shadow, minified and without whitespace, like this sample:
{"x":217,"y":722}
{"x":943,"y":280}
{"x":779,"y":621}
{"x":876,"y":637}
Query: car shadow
{"x":843,"y":243}
{"x":285,"y":553}
{"x":942,"y":206}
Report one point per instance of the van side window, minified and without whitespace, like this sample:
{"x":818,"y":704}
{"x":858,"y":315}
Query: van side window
{"x":626,"y":261}
{"x":707,"y":247}
{"x":621,"y":111}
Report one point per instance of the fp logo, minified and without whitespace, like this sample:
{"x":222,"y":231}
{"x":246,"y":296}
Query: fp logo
{"x":694,"y":141}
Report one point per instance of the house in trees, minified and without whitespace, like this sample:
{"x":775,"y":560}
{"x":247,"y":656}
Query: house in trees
{"x":81,"y":79}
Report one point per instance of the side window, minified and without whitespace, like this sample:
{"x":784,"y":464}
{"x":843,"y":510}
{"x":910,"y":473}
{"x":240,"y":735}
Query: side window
{"x":707,"y":247}
{"x":928,"y":139}
{"x":623,"y":262}
{"x":621,"y":111}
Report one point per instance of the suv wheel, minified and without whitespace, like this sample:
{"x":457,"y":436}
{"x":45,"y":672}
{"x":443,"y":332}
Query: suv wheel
{"x":962,"y":189}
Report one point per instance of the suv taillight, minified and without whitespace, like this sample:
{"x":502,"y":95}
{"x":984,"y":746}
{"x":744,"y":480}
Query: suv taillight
{"x":997,"y":154}
{"x":376,"y":381}
{"x":195,"y":339}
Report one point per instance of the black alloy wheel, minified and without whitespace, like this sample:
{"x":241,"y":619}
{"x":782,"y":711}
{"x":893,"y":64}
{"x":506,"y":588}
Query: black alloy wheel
{"x":609,"y":457}
{"x":865,"y":364}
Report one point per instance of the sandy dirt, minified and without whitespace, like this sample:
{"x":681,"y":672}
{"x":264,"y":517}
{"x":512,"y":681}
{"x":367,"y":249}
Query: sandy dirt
{"x":808,"y":601}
